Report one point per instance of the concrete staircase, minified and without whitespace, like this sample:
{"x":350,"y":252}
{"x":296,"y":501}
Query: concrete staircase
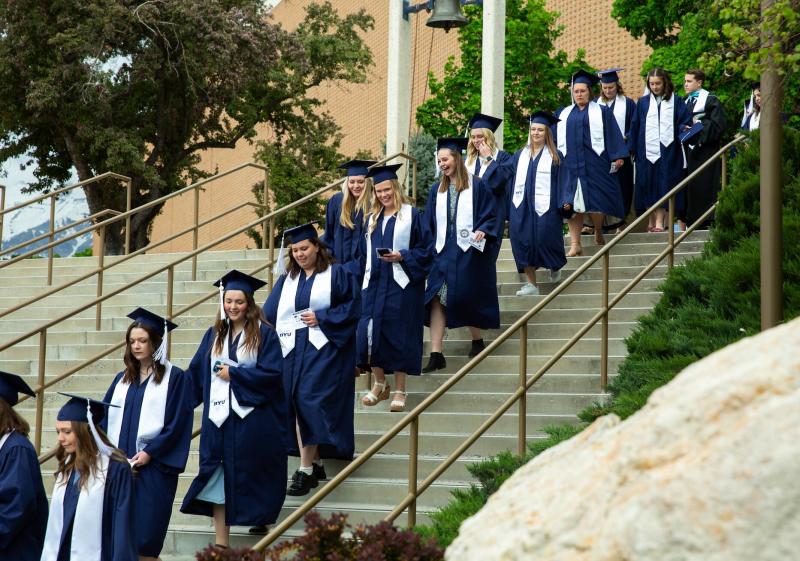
{"x":572,"y":384}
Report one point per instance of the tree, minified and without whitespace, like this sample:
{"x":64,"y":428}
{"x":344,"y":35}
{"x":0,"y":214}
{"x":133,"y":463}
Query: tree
{"x":143,"y":87}
{"x":535,"y":74}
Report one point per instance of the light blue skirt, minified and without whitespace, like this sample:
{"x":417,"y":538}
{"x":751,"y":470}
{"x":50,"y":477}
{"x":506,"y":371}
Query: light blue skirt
{"x":214,"y":491}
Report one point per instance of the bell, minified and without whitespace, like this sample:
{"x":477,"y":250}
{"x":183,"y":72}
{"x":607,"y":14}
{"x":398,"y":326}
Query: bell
{"x":447,"y":15}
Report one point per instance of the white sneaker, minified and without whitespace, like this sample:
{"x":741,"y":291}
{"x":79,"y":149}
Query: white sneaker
{"x":528,"y":289}
{"x":555,"y":276}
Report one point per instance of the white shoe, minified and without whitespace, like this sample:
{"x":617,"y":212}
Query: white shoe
{"x":528,"y":289}
{"x":555,"y":276}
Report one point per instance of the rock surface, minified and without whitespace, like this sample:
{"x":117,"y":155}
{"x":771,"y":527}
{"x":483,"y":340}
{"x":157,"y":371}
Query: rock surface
{"x":708,"y":470}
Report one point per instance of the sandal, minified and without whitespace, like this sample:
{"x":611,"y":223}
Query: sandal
{"x":589,"y":230}
{"x":371,"y":399}
{"x":575,"y":250}
{"x":398,"y":405}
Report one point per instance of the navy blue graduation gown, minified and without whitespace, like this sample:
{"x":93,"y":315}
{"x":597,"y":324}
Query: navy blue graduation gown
{"x":495,"y":178}
{"x":536,"y":241}
{"x":470,"y":275}
{"x":252,"y":451}
{"x":156,"y":483}
{"x":397,"y":314}
{"x":23,"y":502}
{"x":625,"y":173}
{"x":120,"y":523}
{"x":654,"y":180}
{"x":601,"y":188}
{"x":320,"y":383}
{"x":342,"y":241}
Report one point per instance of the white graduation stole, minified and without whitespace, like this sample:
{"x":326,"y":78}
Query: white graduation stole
{"x":700,"y":102}
{"x":754,"y":118}
{"x":541,"y":203}
{"x":151,"y":418}
{"x":520,"y":177}
{"x":401,"y":239}
{"x":658,"y":127}
{"x":471,"y":166}
{"x":219,"y":407}
{"x":320,"y":300}
{"x":5,"y":437}
{"x":596,"y":134}
{"x":87,"y":527}
{"x":620,"y":110}
{"x":464,"y":218}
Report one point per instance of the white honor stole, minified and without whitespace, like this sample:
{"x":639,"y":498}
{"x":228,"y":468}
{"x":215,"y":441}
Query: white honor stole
{"x":620,"y":110}
{"x":596,"y":134}
{"x":659,"y":127}
{"x":541,"y":197}
{"x":464,"y":218}
{"x":754,"y":118}
{"x":87,"y":532}
{"x":471,"y":167}
{"x":700,"y":102}
{"x":220,"y":406}
{"x":5,"y":437}
{"x":151,"y":418}
{"x":320,"y":300}
{"x":401,"y":239}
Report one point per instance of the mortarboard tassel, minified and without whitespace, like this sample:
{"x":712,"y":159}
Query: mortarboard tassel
{"x":279,"y":268}
{"x":161,"y":352}
{"x":222,"y":315}
{"x":104,"y":448}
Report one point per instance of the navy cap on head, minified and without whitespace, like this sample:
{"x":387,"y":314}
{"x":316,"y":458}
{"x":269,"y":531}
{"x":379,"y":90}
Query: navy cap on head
{"x":544,"y":118}
{"x":11,"y":385}
{"x":481,"y":121}
{"x":610,"y":76}
{"x":300,"y":233}
{"x":357,"y":167}
{"x":379,"y":174}
{"x":454,"y":144}
{"x":151,"y":320}
{"x":236,"y":280}
{"x":75,"y":409}
{"x":584,"y":77}
{"x":755,"y":86}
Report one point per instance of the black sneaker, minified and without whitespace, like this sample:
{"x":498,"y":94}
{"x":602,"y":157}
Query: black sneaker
{"x":477,"y":347}
{"x":435,"y":362}
{"x":302,"y":483}
{"x":319,"y":472}
{"x":259,"y":530}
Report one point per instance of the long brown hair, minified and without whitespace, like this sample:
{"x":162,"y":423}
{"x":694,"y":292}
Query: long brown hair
{"x":400,"y":198}
{"x":350,"y":203}
{"x":491,"y":142}
{"x":132,"y":365}
{"x":85,"y":457}
{"x":659,"y":72}
{"x":324,"y":258}
{"x":11,"y":420}
{"x":549,"y":143}
{"x":251,"y":332}
{"x":462,"y":176}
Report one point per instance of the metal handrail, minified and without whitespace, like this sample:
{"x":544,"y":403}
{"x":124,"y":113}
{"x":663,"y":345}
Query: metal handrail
{"x":412,"y":418}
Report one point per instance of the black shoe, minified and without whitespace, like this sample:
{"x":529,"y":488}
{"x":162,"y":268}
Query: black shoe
{"x":477,"y":347}
{"x":435,"y":362}
{"x":259,"y":530}
{"x":319,"y":472}
{"x":302,"y":483}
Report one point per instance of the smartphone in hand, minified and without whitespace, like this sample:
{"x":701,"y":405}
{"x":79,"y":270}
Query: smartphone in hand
{"x":381,"y":251}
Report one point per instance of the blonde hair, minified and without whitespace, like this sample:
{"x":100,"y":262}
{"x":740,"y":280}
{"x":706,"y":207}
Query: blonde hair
{"x":461,"y":176}
{"x":351,"y":204}
{"x":472,"y":152}
{"x":549,"y":143}
{"x":399,"y":199}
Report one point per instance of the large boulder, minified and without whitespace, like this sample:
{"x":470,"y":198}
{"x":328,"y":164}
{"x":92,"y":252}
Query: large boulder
{"x":708,"y":470}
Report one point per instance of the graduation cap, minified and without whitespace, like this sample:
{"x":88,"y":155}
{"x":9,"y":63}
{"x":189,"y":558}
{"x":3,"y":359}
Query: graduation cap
{"x":78,"y":408}
{"x":357,"y":167}
{"x":610,"y":76}
{"x":544,"y":118}
{"x":584,"y":77}
{"x":688,"y":134}
{"x":301,"y":233}
{"x":236,"y":280}
{"x":11,"y":385}
{"x":481,"y":121}
{"x":454,"y":144}
{"x":160,"y":325}
{"x":379,"y":174}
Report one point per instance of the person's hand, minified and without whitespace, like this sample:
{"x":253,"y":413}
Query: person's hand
{"x":479,"y":235}
{"x":392,"y":257}
{"x":224,"y":373}
{"x":483,"y":149}
{"x":567,"y":207}
{"x":619,"y":162}
{"x":309,"y":318}
{"x":140,"y":459}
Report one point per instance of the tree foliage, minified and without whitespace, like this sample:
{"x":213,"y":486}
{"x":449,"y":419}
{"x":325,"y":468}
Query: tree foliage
{"x":142,"y":87}
{"x":534,"y":74}
{"x":655,"y":20}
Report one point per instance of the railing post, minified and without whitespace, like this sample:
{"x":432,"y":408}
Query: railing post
{"x":37,"y":441}
{"x":2,"y":208}
{"x":671,"y":233}
{"x":523,"y":400}
{"x":724,"y":159}
{"x":195,"y":233}
{"x":270,"y":274}
{"x":604,"y":334}
{"x":413,"y":449}
{"x":98,"y":318}
{"x":414,"y":181}
{"x":265,"y":206}
{"x":128,"y":204}
{"x":52,"y":238}
{"x":170,"y":297}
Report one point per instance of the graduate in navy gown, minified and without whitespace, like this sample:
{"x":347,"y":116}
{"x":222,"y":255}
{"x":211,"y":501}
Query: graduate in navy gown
{"x":151,"y":424}
{"x":594,"y":150}
{"x":659,"y":119}
{"x":345,"y":213}
{"x":612,"y":95}
{"x":535,"y":190}
{"x":485,"y":161}
{"x":315,"y":307}
{"x":396,"y":254}
{"x":462,"y":286}
{"x":23,"y":502}
{"x":92,"y":507}
{"x":236,"y":375}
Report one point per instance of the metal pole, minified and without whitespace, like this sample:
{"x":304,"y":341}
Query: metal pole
{"x":37,"y":441}
{"x":604,"y":335}
{"x":265,"y":203}
{"x":523,"y":400}
{"x":724,"y":160}
{"x":170,"y":296}
{"x":270,"y":274}
{"x":128,"y":203}
{"x":195,"y":234}
{"x":413,"y":451}
{"x":414,"y":182}
{"x":2,"y":208}
{"x":671,"y":233}
{"x":98,"y":318}
{"x":52,"y":237}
